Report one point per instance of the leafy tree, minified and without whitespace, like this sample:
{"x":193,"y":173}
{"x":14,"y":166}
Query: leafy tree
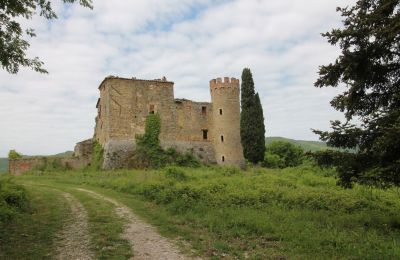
{"x":252,"y":129}
{"x":369,"y":69}
{"x":12,"y":154}
{"x":281,"y":154}
{"x":12,"y":44}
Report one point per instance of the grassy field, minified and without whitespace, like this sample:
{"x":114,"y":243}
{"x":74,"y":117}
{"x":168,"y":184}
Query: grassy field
{"x":259,"y":214}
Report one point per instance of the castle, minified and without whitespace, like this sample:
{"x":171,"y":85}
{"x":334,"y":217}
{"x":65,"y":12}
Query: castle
{"x":211,"y":131}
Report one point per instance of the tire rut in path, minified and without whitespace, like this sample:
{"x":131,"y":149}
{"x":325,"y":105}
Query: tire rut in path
{"x":74,"y":241}
{"x":145,"y":241}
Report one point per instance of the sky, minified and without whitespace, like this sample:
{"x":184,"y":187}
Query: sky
{"x":189,"y":42}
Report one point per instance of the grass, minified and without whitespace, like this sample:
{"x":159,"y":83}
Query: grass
{"x":29,"y":235}
{"x":258,"y":214}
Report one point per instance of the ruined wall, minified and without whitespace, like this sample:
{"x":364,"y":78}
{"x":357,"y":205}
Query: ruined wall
{"x":127,"y":102}
{"x":226,"y":121}
{"x":22,"y":165}
{"x":193,"y":120}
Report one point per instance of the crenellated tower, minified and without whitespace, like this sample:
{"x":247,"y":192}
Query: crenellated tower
{"x":226,"y":121}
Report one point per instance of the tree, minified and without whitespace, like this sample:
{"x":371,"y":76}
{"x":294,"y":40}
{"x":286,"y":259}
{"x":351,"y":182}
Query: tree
{"x":369,"y":69}
{"x":13,"y":154}
{"x":252,"y":129}
{"x":12,"y":44}
{"x":281,"y":154}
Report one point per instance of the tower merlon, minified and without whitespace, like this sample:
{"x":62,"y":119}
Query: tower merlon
{"x":226,"y":83}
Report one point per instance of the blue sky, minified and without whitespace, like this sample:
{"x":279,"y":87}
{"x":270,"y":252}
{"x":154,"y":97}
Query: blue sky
{"x":189,"y":42}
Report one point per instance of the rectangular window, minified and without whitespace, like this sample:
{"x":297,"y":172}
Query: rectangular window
{"x":220,"y":111}
{"x":222,"y":138}
{"x":151,"y":110}
{"x":204,"y":111}
{"x":205,"y":134}
{"x":223,"y":158}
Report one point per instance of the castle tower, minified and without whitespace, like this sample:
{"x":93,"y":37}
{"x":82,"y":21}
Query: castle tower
{"x":226,"y":121}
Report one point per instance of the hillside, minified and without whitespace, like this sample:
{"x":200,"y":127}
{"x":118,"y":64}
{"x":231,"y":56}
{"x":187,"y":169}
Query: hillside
{"x":3,"y":165}
{"x":306,"y":145}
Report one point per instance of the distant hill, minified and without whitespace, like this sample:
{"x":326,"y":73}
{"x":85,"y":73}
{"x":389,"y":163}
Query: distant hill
{"x":312,"y":146}
{"x":3,"y":165}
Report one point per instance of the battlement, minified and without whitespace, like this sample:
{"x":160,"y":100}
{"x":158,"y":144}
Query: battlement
{"x":226,"y":83}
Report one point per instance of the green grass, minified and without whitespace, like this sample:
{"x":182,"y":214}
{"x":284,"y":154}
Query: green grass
{"x":296,"y":212}
{"x":29,"y":235}
{"x":105,"y":227}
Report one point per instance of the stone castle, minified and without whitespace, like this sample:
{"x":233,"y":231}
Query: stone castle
{"x":211,"y":131}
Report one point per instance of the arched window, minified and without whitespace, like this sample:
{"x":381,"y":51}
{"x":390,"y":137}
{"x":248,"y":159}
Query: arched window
{"x":223,"y":158}
{"x":220,"y":111}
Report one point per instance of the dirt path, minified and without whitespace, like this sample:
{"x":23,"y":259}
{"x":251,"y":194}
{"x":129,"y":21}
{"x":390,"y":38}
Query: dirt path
{"x":145,"y":241}
{"x":74,"y":242}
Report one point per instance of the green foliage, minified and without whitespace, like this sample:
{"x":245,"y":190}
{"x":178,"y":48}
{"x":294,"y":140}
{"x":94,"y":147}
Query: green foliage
{"x":281,"y":154}
{"x":297,"y":213}
{"x":175,"y":173}
{"x":97,"y":156}
{"x":13,"y":46}
{"x":13,"y":199}
{"x":149,"y":153}
{"x":252,"y":129}
{"x":273,"y":161}
{"x":12,"y":154}
{"x":369,"y":68}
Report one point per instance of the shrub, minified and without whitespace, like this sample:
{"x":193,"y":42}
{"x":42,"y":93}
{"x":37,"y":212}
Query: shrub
{"x":97,"y":157}
{"x":175,"y":173}
{"x":13,"y":199}
{"x":283,"y":154}
{"x":12,"y":154}
{"x":273,"y":161}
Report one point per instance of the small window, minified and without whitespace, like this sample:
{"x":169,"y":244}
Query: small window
{"x":223,"y":158}
{"x":151,"y":110}
{"x":204,"y":111}
{"x":205,"y":134}
{"x":222,"y":138}
{"x":220,"y":111}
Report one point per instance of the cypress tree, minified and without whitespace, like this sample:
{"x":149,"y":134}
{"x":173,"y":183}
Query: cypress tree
{"x":252,"y":130}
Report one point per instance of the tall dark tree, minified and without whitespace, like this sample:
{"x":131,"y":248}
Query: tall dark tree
{"x":252,"y":129}
{"x":12,"y":44}
{"x":369,"y":69}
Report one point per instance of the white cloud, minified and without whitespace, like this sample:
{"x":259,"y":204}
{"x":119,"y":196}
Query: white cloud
{"x":190,"y":42}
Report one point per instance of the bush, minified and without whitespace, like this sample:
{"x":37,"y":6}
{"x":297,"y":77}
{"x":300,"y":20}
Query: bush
{"x":273,"y":161}
{"x":12,"y":154}
{"x":175,"y":173}
{"x":13,"y":199}
{"x":281,"y":154}
{"x":97,"y":157}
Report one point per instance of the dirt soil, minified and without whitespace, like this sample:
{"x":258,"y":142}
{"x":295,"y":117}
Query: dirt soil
{"x":145,"y":241}
{"x":74,"y":241}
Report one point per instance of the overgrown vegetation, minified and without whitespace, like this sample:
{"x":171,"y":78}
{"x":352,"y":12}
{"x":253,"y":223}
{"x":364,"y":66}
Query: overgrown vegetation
{"x":13,"y":199}
{"x":149,"y":153}
{"x":97,"y":156}
{"x":13,"y":154}
{"x":281,"y":154}
{"x":261,"y":213}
